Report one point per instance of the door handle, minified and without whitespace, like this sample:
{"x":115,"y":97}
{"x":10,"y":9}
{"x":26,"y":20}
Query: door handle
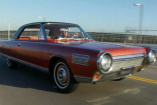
{"x":19,"y":44}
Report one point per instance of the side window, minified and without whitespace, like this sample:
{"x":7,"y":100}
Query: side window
{"x":31,"y":33}
{"x":74,"y":32}
{"x":47,"y":31}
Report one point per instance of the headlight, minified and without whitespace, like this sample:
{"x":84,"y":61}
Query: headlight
{"x":104,"y":62}
{"x":151,"y":57}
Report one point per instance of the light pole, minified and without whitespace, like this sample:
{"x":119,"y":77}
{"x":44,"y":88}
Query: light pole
{"x":41,"y":18}
{"x":8,"y":30}
{"x":140,"y":17}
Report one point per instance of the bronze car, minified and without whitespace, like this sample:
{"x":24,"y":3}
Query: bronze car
{"x":71,"y":55}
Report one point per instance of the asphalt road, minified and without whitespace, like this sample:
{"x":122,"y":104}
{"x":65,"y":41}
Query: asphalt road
{"x":29,"y":86}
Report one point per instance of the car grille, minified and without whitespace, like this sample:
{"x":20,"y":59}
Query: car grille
{"x":122,"y":63}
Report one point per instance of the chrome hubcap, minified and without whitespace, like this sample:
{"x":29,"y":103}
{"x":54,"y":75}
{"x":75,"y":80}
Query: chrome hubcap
{"x":62,"y":76}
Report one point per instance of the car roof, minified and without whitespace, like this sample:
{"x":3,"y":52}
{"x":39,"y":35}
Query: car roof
{"x":40,"y":23}
{"x":35,"y":23}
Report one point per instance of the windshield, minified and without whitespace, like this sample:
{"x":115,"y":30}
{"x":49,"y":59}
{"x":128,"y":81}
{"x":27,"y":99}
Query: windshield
{"x":62,"y":31}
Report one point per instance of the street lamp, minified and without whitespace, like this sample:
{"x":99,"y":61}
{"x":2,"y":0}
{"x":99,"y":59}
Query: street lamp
{"x":140,"y":17}
{"x":8,"y":30}
{"x":41,"y":18}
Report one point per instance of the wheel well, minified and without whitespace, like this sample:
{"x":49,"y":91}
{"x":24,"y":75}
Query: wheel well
{"x":54,"y":60}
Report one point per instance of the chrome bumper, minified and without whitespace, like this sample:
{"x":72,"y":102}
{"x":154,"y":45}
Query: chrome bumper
{"x":122,"y":66}
{"x":118,"y":74}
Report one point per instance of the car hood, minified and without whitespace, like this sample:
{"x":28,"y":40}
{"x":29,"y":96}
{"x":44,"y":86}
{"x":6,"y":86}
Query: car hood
{"x":113,"y":49}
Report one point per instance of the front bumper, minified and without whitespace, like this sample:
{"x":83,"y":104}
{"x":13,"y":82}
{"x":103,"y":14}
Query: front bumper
{"x":117,"y":74}
{"x":122,"y":66}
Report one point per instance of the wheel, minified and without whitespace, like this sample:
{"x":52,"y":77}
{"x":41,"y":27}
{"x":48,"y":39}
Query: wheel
{"x":63,"y":77}
{"x":119,"y":79}
{"x":11,"y":64}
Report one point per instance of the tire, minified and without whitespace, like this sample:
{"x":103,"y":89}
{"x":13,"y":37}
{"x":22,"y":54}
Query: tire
{"x":11,"y":64}
{"x":63,"y":77}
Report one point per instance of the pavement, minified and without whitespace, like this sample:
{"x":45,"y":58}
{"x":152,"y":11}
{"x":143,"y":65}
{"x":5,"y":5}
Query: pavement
{"x":28,"y":86}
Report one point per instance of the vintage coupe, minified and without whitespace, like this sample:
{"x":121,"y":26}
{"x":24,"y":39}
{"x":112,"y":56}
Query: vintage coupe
{"x":71,"y":55}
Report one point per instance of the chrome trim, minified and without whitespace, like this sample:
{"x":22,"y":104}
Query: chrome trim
{"x":80,"y":59}
{"x":124,"y":72}
{"x":99,"y":62}
{"x":113,"y":75}
{"x":120,"y":62}
{"x":24,"y":62}
{"x":149,"y":55}
{"x":129,"y":56}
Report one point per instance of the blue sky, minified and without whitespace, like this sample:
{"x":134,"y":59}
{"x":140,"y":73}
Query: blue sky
{"x":92,"y":15}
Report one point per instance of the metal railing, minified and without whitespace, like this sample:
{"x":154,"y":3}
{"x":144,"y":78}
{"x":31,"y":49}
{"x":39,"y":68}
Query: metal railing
{"x":107,"y":37}
{"x":124,"y":38}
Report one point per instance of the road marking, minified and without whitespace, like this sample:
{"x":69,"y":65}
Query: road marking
{"x":153,"y":66}
{"x":100,"y":99}
{"x":143,"y":79}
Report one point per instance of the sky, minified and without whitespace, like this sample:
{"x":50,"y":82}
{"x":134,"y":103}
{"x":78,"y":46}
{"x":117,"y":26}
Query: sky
{"x":91,"y":15}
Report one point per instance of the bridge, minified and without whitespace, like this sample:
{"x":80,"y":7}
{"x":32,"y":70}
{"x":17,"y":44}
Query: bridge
{"x":106,"y":37}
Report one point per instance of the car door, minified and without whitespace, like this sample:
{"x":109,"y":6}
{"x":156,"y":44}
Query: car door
{"x":29,"y":44}
{"x":9,"y":48}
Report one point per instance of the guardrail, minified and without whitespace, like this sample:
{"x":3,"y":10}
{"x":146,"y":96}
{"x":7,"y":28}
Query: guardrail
{"x":107,"y":37}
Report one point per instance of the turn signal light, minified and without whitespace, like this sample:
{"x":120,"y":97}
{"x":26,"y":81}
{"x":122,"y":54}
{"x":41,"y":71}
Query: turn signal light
{"x":96,"y":76}
{"x":144,"y":66}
